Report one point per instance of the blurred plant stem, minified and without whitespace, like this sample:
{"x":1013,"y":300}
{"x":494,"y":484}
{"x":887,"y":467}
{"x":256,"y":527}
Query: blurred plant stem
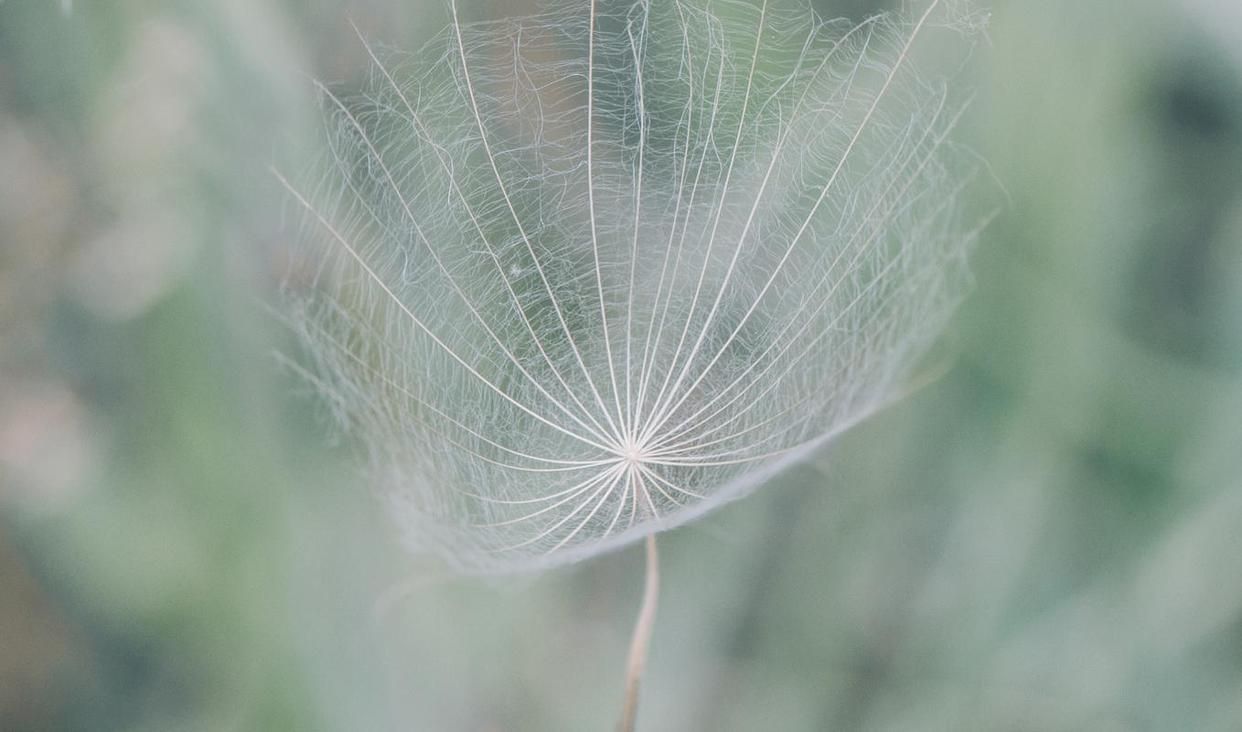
{"x":640,"y":641}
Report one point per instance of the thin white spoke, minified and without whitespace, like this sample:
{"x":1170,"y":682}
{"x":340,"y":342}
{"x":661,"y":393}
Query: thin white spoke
{"x":576,"y":489}
{"x":590,"y":173}
{"x":383,"y":165}
{"x":695,"y":450}
{"x":705,"y":146}
{"x":639,"y":56}
{"x":659,"y":479}
{"x":710,"y":461}
{"x":630,"y":487}
{"x":629,"y":522}
{"x":423,"y":133}
{"x":325,"y":388}
{"x":809,"y":348}
{"x":504,"y":192}
{"x":898,"y":203}
{"x":905,"y":51}
{"x":724,"y":192}
{"x":606,"y":484}
{"x":698,"y":442}
{"x":651,"y":503}
{"x":789,"y":367}
{"x":642,"y":484}
{"x":688,"y":116}
{"x":353,"y":253}
{"x":563,"y":464}
{"x":598,"y":505}
{"x":670,"y":407}
{"x":568,"y":495}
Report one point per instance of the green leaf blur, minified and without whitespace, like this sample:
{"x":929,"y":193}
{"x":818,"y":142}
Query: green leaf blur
{"x":1044,"y":536}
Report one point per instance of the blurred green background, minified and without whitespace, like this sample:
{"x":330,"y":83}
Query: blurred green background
{"x":1047,"y":538}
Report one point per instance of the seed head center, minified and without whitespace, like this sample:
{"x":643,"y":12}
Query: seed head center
{"x":633,"y":453}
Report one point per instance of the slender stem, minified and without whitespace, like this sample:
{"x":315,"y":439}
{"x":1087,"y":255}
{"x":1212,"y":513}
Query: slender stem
{"x":640,"y":641}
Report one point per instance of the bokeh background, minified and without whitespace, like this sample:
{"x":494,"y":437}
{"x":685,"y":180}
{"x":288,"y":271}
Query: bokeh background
{"x":1048,"y":537}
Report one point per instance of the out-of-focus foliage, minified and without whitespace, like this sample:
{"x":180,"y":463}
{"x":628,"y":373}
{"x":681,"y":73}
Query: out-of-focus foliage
{"x":1045,"y":538}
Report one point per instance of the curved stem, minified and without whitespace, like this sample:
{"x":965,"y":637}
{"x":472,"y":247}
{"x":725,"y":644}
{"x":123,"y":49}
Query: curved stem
{"x":640,"y":641}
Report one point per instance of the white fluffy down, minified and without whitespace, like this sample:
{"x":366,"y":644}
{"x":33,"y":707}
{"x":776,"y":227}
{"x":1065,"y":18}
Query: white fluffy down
{"x":589,"y":274}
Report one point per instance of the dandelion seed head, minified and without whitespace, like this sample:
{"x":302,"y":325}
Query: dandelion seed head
{"x":587,"y":275}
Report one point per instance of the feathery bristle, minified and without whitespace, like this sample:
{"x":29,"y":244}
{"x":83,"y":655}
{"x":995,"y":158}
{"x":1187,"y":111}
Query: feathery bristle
{"x":589,"y":274}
